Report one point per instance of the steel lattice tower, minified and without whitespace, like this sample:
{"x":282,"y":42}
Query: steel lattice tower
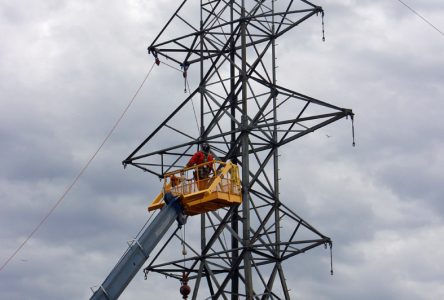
{"x":243,"y":114}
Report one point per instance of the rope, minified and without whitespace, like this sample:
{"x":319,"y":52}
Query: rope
{"x":424,"y":19}
{"x":187,"y":84}
{"x":143,"y":227}
{"x":172,"y":67}
{"x":184,"y":250}
{"x":135,"y":239}
{"x":62,"y":197}
{"x":194,"y":109}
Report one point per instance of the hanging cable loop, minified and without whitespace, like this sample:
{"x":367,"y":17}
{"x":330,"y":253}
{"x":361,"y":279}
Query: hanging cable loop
{"x":185,"y":67}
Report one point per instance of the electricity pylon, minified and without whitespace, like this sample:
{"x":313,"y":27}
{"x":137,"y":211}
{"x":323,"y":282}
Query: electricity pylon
{"x":242,"y":113}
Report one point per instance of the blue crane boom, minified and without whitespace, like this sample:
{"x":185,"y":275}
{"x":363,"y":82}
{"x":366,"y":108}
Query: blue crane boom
{"x":136,"y":255}
{"x":177,"y":200}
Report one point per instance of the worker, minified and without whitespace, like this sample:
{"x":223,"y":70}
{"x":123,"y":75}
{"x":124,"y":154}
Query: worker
{"x":203,"y":171}
{"x":175,"y":181}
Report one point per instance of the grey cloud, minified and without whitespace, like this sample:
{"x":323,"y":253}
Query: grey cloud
{"x":68,"y":70}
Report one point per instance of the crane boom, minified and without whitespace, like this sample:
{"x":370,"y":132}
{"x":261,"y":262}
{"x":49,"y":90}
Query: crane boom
{"x":136,"y":255}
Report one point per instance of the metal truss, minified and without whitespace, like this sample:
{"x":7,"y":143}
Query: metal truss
{"x":245,"y":116}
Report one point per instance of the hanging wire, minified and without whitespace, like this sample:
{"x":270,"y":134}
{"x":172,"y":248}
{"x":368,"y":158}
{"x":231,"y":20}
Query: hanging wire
{"x":423,"y":18}
{"x":223,"y":233}
{"x":68,"y":189}
{"x":184,"y":250}
{"x":143,"y":227}
{"x":194,"y":109}
{"x":135,"y":238}
{"x":172,"y":67}
{"x":187,"y":89}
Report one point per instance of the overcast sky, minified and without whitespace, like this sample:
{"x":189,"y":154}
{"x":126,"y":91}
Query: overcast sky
{"x":69,"y":68}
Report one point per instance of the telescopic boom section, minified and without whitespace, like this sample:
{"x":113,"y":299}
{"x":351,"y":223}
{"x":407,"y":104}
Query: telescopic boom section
{"x":195,"y":194}
{"x":136,"y":255}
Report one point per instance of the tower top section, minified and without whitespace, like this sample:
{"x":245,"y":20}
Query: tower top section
{"x":219,"y":26}
{"x":228,"y":50}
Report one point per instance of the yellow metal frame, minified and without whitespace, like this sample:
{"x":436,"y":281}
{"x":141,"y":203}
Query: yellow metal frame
{"x":199,"y":195}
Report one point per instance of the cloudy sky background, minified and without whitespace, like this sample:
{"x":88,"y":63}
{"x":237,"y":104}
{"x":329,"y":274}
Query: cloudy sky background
{"x":69,"y":68}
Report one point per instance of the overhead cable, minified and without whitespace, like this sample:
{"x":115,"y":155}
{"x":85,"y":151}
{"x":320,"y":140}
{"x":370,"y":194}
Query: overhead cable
{"x":68,"y":189}
{"x":424,"y":19}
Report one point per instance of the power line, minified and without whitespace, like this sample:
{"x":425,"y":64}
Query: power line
{"x":424,"y":19}
{"x":78,"y":175}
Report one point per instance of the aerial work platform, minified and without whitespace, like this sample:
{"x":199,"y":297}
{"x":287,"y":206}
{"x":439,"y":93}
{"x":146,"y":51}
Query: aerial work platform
{"x":196,"y":195}
{"x":192,"y":195}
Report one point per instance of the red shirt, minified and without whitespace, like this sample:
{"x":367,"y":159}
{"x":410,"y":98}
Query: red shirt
{"x":199,"y":158}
